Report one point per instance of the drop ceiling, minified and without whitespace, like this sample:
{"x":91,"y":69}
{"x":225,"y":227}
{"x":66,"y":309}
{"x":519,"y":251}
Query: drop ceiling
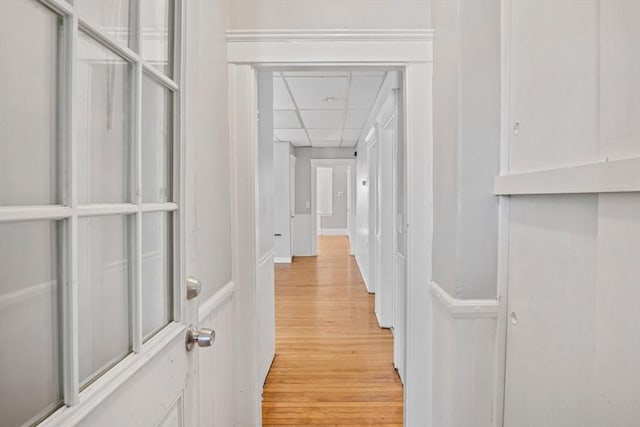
{"x":323,"y":108}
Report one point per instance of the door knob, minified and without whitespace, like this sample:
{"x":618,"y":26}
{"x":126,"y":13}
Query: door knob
{"x":203,"y":337}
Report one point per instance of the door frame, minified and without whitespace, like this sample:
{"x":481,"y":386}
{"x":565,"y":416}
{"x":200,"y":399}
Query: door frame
{"x":410,"y":51}
{"x":314,"y":164}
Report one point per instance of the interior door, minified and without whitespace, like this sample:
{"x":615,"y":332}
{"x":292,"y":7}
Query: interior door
{"x":292,"y":199}
{"x":374,"y":216}
{"x":92,"y":217}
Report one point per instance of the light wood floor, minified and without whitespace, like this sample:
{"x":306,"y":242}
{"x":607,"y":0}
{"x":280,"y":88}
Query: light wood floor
{"x":333,"y":365}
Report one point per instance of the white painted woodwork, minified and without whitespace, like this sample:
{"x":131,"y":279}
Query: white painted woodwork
{"x":463,"y":366}
{"x":387,"y":134}
{"x":410,"y":51}
{"x":616,"y":176}
{"x":243,"y":106}
{"x":400,"y":315}
{"x":266,"y":315}
{"x":569,"y":164}
{"x":303,"y":230}
{"x":373,"y":220}
{"x":215,"y":369}
{"x":282,"y":208}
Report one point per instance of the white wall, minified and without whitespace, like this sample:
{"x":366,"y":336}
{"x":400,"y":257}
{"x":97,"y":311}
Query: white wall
{"x":320,"y":14}
{"x":303,"y":171}
{"x":466,"y":107}
{"x":466,"y":145}
{"x":362,"y":184}
{"x":338,"y":220}
{"x":572,"y":355}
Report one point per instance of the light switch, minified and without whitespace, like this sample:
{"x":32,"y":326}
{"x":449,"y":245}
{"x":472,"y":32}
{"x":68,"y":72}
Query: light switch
{"x":307,"y":205}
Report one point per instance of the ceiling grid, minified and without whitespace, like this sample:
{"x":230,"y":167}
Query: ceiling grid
{"x":323,"y":108}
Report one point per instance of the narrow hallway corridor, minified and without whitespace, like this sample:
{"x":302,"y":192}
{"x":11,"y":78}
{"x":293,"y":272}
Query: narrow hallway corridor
{"x":333,"y":364}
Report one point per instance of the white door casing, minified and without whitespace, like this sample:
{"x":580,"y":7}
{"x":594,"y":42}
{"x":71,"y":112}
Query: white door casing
{"x":409,"y":51}
{"x":315,"y":164}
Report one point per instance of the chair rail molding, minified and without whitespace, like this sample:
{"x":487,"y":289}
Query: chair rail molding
{"x":465,"y":308}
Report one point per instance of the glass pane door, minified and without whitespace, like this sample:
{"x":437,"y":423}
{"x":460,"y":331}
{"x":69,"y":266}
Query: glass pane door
{"x":89,"y":213}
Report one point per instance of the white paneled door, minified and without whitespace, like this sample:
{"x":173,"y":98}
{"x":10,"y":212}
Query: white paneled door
{"x":93,"y":311}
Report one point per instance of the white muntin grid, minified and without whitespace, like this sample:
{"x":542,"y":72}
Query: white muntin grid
{"x":68,"y":212}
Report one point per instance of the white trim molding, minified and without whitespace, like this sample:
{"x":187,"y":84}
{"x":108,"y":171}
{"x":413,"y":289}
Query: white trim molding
{"x":465,"y":308}
{"x":337,"y":46}
{"x":220,"y":297}
{"x":266,"y":256}
{"x":321,"y":35}
{"x":602,"y":177}
{"x":283,"y":260}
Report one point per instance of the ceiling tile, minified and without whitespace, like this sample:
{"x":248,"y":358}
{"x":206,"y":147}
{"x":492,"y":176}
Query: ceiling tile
{"x":290,"y":134}
{"x":281,"y":98}
{"x":362,"y":92}
{"x":351,"y":134}
{"x":325,"y":134}
{"x":323,"y":119}
{"x":309,"y":92}
{"x":286,"y":119}
{"x":355,"y":118}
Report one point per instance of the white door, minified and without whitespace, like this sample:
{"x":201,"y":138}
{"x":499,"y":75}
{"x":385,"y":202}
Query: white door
{"x":386,"y":215}
{"x":374,"y":216}
{"x":91,"y":217}
{"x":292,"y":198}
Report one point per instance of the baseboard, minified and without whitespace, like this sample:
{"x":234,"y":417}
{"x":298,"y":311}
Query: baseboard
{"x":364,"y":278}
{"x":465,"y":308}
{"x":283,"y":260}
{"x":334,"y":232}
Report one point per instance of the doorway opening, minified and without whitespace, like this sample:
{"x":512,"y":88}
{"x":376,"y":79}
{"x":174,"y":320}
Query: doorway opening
{"x":331,"y":164}
{"x":249,"y":53}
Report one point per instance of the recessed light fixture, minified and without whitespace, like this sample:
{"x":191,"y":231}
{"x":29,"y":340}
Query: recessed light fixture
{"x":327,"y":99}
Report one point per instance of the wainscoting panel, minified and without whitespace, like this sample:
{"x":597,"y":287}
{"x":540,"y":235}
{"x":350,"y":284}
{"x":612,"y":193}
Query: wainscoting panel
{"x":399,"y":314}
{"x":266,"y":309}
{"x":216,"y":363}
{"x":464,"y":334}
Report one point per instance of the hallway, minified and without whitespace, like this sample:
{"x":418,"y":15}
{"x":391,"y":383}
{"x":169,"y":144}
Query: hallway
{"x":333,"y":365}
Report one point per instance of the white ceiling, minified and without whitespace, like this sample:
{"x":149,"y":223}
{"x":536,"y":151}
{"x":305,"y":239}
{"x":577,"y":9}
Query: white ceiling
{"x":323,"y":108}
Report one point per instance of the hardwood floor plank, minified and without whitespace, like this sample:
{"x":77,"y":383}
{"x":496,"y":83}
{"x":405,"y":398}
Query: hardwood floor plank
{"x":333,"y":365}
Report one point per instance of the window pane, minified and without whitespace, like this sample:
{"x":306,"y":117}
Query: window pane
{"x":156,"y":272}
{"x":157,"y":33}
{"x":112,"y":17}
{"x":30,"y":383}
{"x":28,"y":107}
{"x":156,"y":142}
{"x":103,"y":295}
{"x":103,"y":110}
